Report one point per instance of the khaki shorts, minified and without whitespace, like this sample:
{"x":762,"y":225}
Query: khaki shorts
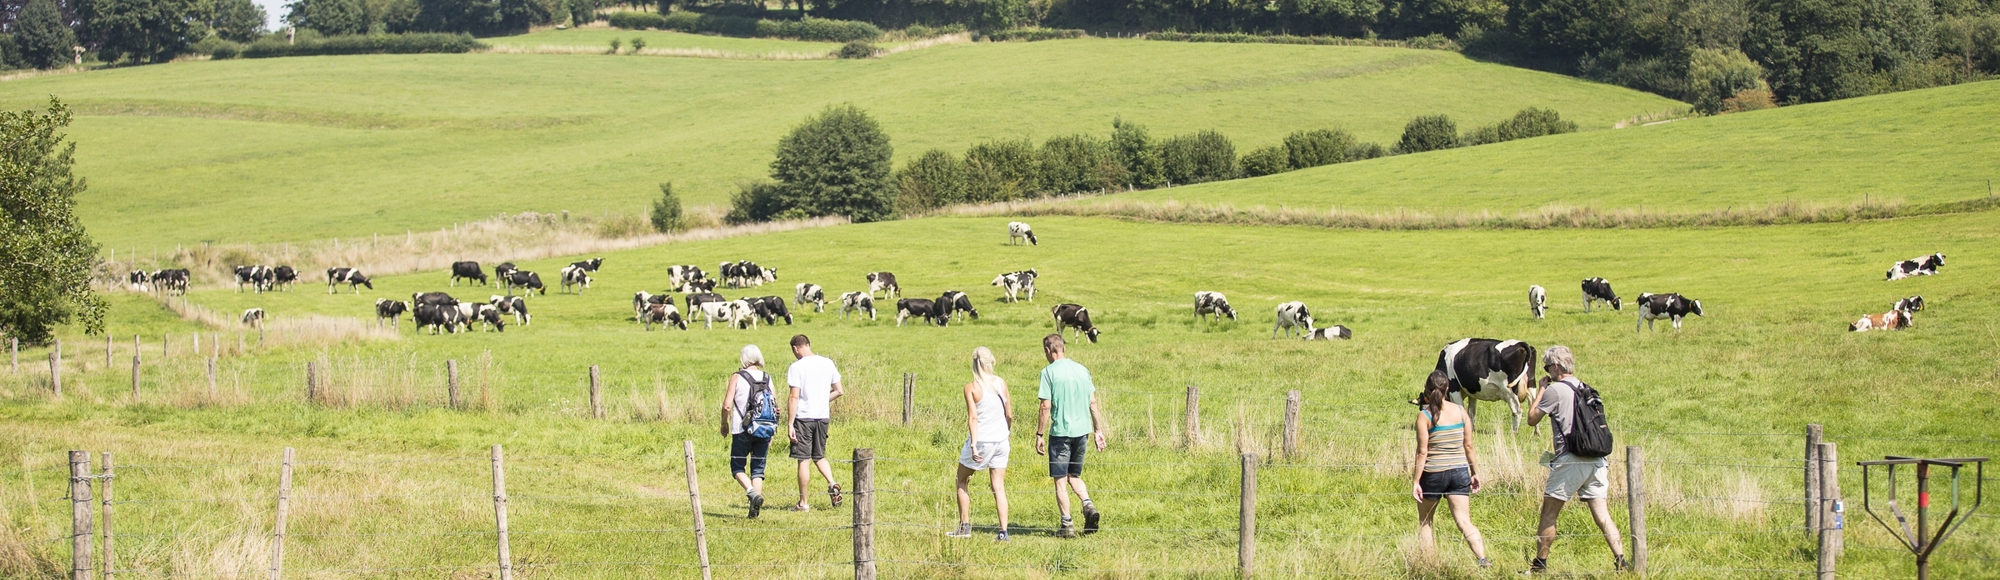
{"x":1572,"y":478}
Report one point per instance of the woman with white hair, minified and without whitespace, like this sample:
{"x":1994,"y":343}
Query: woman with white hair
{"x":749,"y":396}
{"x":989,"y":421}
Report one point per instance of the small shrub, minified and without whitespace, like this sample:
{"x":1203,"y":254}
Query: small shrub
{"x":666,"y":214}
{"x":216,"y":48}
{"x":1036,"y":34}
{"x":1749,"y":100}
{"x":1717,"y":74}
{"x":932,"y":180}
{"x":636,"y":20}
{"x":1266,"y":161}
{"x":414,"y":43}
{"x":1000,"y":170}
{"x":815,"y":29}
{"x":754,"y":201}
{"x":614,"y":46}
{"x":1530,"y":122}
{"x":638,"y":44}
{"x":1198,"y":158}
{"x":1319,"y":147}
{"x":1367,"y":151}
{"x":1428,"y":133}
{"x":857,"y":49}
{"x":1078,"y":163}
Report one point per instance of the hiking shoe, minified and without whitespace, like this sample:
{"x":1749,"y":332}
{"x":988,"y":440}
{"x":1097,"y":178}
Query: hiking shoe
{"x":1090,"y":517}
{"x":1002,"y":537}
{"x":1620,"y":564}
{"x":1068,"y":529}
{"x":963,"y":531}
{"x":1485,"y":563}
{"x":1537,"y":566}
{"x":756,"y":505}
{"x":833,"y":491}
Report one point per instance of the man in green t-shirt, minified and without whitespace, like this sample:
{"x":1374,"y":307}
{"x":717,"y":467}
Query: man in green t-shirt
{"x":1069,"y":416}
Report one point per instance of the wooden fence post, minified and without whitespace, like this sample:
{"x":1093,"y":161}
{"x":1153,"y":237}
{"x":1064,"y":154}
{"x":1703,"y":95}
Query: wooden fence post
{"x":135,"y":345}
{"x":1635,"y":500}
{"x":14,"y":350}
{"x":909,"y":396}
{"x":1246,"y":520}
{"x":110,"y":562}
{"x":694,"y":496}
{"x":1193,"y":428}
{"x":166,"y":344}
{"x":864,"y":514}
{"x":211,"y":380}
{"x":135,"y":378}
{"x":500,"y":514}
{"x":284,"y":511}
{"x":197,"y":344}
{"x":79,"y":523}
{"x":312,"y":381}
{"x":596,"y":395}
{"x":1813,"y":434}
{"x":1291,"y":423}
{"x":107,"y":351}
{"x":1830,"y":510}
{"x":451,"y":381}
{"x":55,"y":369}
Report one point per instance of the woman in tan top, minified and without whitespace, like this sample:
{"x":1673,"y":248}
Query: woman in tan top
{"x":1445,"y":466}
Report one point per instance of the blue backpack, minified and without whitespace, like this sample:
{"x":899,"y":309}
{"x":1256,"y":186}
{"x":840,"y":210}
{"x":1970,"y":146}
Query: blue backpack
{"x":762,"y":415}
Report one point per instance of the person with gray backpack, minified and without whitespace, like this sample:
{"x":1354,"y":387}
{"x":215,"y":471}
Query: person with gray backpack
{"x":1576,"y":460}
{"x":749,"y":420}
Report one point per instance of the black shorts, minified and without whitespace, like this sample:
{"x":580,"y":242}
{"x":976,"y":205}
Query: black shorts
{"x":746,"y":454}
{"x":1066,"y":456}
{"x":811,"y":442}
{"x":1456,"y":481}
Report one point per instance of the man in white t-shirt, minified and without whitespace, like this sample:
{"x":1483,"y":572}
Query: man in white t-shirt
{"x":815,"y":383}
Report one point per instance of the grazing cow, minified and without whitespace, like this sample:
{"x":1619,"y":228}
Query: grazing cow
{"x":390,"y":310}
{"x":746,"y":273}
{"x":284,"y":276}
{"x":467,"y":271}
{"x":138,"y":280}
{"x":504,"y":273}
{"x":856,"y":302}
{"x":1919,"y":266}
{"x":1075,"y":316}
{"x":679,"y":276}
{"x":1018,"y":231}
{"x":437,"y":298}
{"x":248,"y":275}
{"x":1657,"y":306}
{"x":171,"y":282}
{"x":1891,"y":320}
{"x":640,"y":300}
{"x":512,"y":305}
{"x":885,"y":283}
{"x":253,"y":318}
{"x":954,"y":303}
{"x":703,"y":285}
{"x":1538,"y":300}
{"x":1206,"y":303}
{"x":1335,"y":332}
{"x":1912,"y":304}
{"x":574,"y":275}
{"x":470,"y":312}
{"x":436,"y":316}
{"x":529,"y":283}
{"x":1491,"y":370}
{"x":811,"y":293}
{"x":663,"y":314}
{"x":771,"y":308}
{"x":1292,"y":315}
{"x":1014,"y":283}
{"x":349,"y":276}
{"x":589,"y":265}
{"x":712,"y":306}
{"x":1597,"y":290}
{"x":743,"y":313}
{"x":263,"y":279}
{"x":908,"y":308}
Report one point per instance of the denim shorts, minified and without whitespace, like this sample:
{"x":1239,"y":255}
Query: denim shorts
{"x":1066,"y":456}
{"x":748,"y":452}
{"x":1455,"y":481}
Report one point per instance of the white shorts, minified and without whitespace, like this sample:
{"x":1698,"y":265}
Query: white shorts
{"x":993,"y":452}
{"x":1572,"y":477}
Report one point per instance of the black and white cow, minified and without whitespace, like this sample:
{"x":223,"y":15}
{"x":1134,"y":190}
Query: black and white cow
{"x":391,"y":311}
{"x":1206,"y":303}
{"x":529,"y":282}
{"x":253,"y":318}
{"x":642,"y":299}
{"x":589,"y":265}
{"x":438,"y":317}
{"x":1019,"y":231}
{"x":353,"y":278}
{"x":249,"y":275}
{"x":745,"y":273}
{"x":1335,"y":332}
{"x":743,"y":313}
{"x":172,"y":281}
{"x":137,"y":280}
{"x":1891,"y":320}
{"x":955,"y":305}
{"x":856,"y":302}
{"x":678,"y":277}
{"x":771,"y":308}
{"x":263,"y":279}
{"x":1077,"y":317}
{"x":712,"y":306}
{"x":885,"y":283}
{"x":1912,"y":304}
{"x":1665,"y":306}
{"x":1597,"y":290}
{"x":1919,"y":266}
{"x":467,"y":271}
{"x":1016,"y":283}
{"x":512,"y":305}
{"x":811,"y":293}
{"x":574,"y":275}
{"x":908,"y":308}
{"x":1538,"y":300}
{"x":471,"y":312}
{"x":284,"y":277}
{"x":1292,"y":315}
{"x":663,"y":314}
{"x":504,"y":273}
{"x":1491,"y":370}
{"x":437,"y":298}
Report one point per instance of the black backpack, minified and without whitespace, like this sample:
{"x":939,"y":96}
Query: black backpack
{"x":1589,"y":435}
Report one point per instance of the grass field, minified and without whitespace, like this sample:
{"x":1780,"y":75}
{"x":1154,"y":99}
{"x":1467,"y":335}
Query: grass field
{"x":1771,"y":356}
{"x":375,"y":144}
{"x":1917,"y":146}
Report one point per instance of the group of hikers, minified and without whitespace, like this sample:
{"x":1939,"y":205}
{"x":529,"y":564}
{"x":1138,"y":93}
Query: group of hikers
{"x":1070,"y":421}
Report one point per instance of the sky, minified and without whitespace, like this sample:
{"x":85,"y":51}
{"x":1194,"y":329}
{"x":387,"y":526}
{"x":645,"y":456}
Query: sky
{"x":273,"y":10}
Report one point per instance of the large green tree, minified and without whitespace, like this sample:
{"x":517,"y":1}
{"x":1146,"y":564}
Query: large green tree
{"x":836,"y":163}
{"x":237,"y":20}
{"x":143,"y":30}
{"x":43,"y":37}
{"x":46,"y":259}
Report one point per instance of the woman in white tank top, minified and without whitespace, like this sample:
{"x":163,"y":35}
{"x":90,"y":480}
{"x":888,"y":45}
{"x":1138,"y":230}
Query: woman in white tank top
{"x":989,"y":425}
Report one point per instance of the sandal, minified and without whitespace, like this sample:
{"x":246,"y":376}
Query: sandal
{"x":834,"y":492}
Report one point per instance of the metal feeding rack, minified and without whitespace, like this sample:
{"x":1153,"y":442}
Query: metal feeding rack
{"x":1922,"y":542}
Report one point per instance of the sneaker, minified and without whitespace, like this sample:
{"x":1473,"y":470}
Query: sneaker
{"x":963,"y":531}
{"x":1485,"y":563}
{"x":1620,"y":565}
{"x":1002,"y":537}
{"x":1537,"y":566}
{"x":833,"y":491}
{"x":756,"y":505}
{"x":1090,"y":517}
{"x":1068,"y":529}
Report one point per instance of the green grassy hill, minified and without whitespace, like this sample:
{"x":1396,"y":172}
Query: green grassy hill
{"x":183,"y":153}
{"x":1917,"y":146}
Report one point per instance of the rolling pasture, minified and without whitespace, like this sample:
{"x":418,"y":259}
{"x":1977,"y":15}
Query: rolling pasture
{"x":375,"y":144}
{"x":1717,"y":406}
